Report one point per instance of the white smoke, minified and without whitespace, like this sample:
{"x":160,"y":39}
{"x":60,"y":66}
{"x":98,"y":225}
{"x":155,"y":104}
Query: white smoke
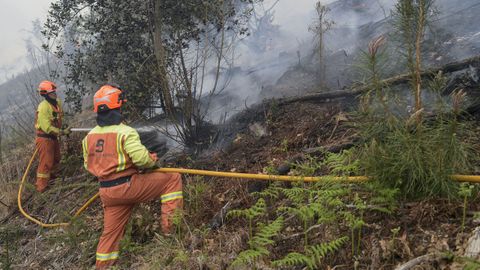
{"x":280,"y":39}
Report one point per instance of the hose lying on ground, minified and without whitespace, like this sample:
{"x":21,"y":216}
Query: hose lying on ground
{"x":266,"y":177}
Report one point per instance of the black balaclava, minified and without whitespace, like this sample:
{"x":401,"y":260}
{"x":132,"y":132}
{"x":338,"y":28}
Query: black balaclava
{"x":50,"y":100}
{"x":110,"y":117}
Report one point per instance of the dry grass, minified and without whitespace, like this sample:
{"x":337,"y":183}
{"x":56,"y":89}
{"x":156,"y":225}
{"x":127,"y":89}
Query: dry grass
{"x":11,"y":171}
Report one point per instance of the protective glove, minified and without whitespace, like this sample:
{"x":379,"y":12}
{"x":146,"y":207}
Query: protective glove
{"x":65,"y":131}
{"x":158,"y":164}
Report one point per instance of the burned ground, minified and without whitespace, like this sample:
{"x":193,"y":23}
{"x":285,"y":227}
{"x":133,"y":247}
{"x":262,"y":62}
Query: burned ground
{"x":284,"y":133}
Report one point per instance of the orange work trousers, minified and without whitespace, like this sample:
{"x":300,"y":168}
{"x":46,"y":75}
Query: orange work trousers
{"x":49,"y":158}
{"x":118,"y":202}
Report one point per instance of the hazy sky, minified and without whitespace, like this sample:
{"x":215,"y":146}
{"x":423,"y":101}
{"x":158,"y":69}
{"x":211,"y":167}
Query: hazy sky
{"x":16,"y":18}
{"x":293,"y":14}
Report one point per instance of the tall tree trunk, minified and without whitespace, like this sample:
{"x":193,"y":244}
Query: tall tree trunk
{"x":161,"y":56}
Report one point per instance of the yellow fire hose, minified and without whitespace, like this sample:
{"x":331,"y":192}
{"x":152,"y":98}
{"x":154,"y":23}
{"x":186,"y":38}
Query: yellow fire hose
{"x":350,"y":179}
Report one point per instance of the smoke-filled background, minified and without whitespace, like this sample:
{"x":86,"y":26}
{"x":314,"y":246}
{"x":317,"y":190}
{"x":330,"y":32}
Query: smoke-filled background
{"x":278,"y":59}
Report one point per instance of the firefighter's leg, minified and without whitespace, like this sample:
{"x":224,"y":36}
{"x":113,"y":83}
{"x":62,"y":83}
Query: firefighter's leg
{"x":172,"y":202}
{"x":46,"y":153}
{"x":56,"y":160}
{"x":114,"y":221}
{"x":164,"y":186}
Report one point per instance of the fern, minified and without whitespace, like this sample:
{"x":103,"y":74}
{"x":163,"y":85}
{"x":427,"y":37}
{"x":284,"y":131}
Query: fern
{"x":308,"y":167}
{"x":258,"y":209}
{"x":331,"y":196}
{"x":384,"y":199}
{"x":294,"y":259}
{"x":297,"y":195}
{"x":313,"y":254}
{"x":272,"y":192}
{"x":258,"y":244}
{"x":356,"y":223}
{"x":249,"y":256}
{"x":267,"y":232}
{"x":342,"y":163}
{"x":332,"y":192}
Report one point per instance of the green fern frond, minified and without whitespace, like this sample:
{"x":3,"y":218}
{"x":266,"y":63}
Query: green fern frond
{"x":327,"y":217}
{"x":332,"y":192}
{"x":249,"y":256}
{"x":318,"y":252}
{"x":294,"y":259}
{"x":272,"y":192}
{"x":259,"y":243}
{"x":258,"y":209}
{"x":304,"y":212}
{"x":295,"y":194}
{"x":266,"y":232}
{"x":342,"y":163}
{"x":384,"y":199}
{"x":313,"y":255}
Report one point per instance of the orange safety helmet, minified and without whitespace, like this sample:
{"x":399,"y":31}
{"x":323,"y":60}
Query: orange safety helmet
{"x":47,"y":87}
{"x":108,"y":97}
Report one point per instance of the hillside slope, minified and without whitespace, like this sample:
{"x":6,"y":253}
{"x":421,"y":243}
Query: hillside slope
{"x":285,"y":134}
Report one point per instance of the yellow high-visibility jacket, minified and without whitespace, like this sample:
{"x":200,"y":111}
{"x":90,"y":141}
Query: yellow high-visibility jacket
{"x":48,"y":118}
{"x":115,"y":151}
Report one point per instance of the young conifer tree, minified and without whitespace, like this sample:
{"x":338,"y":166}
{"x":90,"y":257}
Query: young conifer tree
{"x":411,"y":19}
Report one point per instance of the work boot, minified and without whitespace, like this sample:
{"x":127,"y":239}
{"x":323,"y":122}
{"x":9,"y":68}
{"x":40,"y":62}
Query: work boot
{"x":41,"y":184}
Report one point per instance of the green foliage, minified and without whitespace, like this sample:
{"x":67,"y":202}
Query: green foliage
{"x":273,"y":191}
{"x":79,"y":237}
{"x":338,"y":164}
{"x":121,"y":48}
{"x":472,"y":265}
{"x":415,"y":155}
{"x":342,"y":164}
{"x":418,"y":162}
{"x":355,"y":222}
{"x":465,"y":192}
{"x":395,"y":232}
{"x":306,"y":213}
{"x":318,"y":204}
{"x":382,"y":199}
{"x":313,"y":255}
{"x":177,"y":220}
{"x":307,"y":167}
{"x":271,"y":111}
{"x":408,"y":152}
{"x":9,"y":245}
{"x":259,"y":243}
{"x":297,"y":195}
{"x":410,"y":19}
{"x":271,"y":169}
{"x":283,"y":148}
{"x":194,"y":192}
{"x":258,"y":209}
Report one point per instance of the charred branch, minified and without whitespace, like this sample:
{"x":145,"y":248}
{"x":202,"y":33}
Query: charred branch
{"x":392,"y":81}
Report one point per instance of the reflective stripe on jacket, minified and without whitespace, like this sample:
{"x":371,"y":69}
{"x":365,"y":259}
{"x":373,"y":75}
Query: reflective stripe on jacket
{"x":48,"y":118}
{"x":115,"y":151}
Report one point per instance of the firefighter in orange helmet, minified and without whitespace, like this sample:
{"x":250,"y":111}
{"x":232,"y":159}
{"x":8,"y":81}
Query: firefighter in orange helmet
{"x":113,"y":153}
{"x":48,"y":123}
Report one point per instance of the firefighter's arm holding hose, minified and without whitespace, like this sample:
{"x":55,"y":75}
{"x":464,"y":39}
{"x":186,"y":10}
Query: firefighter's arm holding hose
{"x":139,"y":154}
